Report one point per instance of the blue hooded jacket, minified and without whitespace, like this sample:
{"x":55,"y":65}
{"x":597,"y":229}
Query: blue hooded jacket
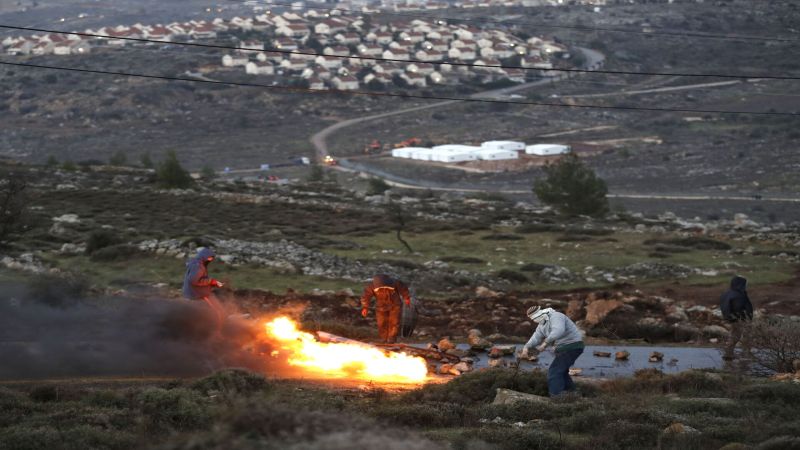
{"x":196,"y":283}
{"x":735,"y":303}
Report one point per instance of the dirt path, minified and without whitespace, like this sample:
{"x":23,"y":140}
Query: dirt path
{"x":319,"y":140}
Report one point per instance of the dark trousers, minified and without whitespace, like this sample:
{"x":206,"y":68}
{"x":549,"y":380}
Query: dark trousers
{"x":738,"y":333}
{"x":388,"y":317}
{"x":558,"y":379}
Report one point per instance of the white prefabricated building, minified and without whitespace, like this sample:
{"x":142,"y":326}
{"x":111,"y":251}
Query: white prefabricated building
{"x":489,"y":154}
{"x":547,"y":149}
{"x":406,"y":152}
{"x":504,"y":145}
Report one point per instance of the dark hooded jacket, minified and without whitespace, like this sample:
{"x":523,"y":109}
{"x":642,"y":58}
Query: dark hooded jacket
{"x":196,"y":283}
{"x":735,"y":304}
{"x":387,"y":291}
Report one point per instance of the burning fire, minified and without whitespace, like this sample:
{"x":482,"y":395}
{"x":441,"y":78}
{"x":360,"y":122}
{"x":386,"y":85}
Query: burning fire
{"x":344,"y":359}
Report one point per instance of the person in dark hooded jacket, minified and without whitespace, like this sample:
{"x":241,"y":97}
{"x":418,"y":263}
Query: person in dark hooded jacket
{"x":736,"y":309}
{"x":197,"y":284}
{"x":389,"y":294}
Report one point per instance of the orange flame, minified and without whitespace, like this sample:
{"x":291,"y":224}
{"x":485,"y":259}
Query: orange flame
{"x":344,"y":360}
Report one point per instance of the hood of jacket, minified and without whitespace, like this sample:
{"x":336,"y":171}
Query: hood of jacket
{"x":739,"y":283}
{"x":202,"y":255}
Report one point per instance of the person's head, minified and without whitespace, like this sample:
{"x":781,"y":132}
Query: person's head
{"x":739,"y":283}
{"x":382,"y":280}
{"x":539,"y":315}
{"x":206,"y":255}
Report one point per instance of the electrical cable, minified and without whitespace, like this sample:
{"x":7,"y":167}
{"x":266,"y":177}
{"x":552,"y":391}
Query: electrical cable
{"x":405,"y":61}
{"x":397,"y":95}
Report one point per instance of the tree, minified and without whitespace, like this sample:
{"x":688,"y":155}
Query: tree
{"x":118,"y":159}
{"x":207,"y":173}
{"x":171,"y":175}
{"x":316,"y":174}
{"x":572,"y":188}
{"x":377,"y":186}
{"x":146,"y":161}
{"x":12,"y":206}
{"x":52,"y":161}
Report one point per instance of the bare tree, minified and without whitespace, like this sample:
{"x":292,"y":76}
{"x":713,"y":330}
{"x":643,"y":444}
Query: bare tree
{"x":12,"y":205}
{"x":395,"y":211}
{"x":775,"y":342}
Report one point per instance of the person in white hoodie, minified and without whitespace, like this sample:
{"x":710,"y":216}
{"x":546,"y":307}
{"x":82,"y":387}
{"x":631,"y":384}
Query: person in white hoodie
{"x":557,"y":330}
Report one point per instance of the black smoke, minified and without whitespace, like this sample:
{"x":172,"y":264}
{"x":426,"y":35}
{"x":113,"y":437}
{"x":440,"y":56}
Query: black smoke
{"x":47,"y":336}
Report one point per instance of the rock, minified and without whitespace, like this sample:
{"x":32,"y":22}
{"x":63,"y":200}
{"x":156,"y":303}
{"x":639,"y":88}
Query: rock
{"x":575,"y":310}
{"x":597,"y":310}
{"x":509,"y":397}
{"x":602,"y":354}
{"x":457,"y":353}
{"x":495,"y":352}
{"x":715,"y":331}
{"x":72,"y":249}
{"x":477,"y":342}
{"x":507,"y":350}
{"x":497,"y":363}
{"x":454,"y":371}
{"x":677,"y":314}
{"x":656,"y":357}
{"x":497,"y":337}
{"x":463,"y":367}
{"x":575,"y":371}
{"x":445,"y":344}
{"x":444,"y":369}
{"x":796,"y":365}
{"x":622,"y":355}
{"x":485,"y":292}
{"x":735,"y":446}
{"x":227,"y":259}
{"x":67,"y":218}
{"x":679,"y":428}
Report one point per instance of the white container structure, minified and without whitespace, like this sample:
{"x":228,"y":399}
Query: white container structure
{"x":504,"y":145}
{"x":455,"y":153}
{"x":423,"y":154}
{"x":488,"y":154}
{"x":547,"y":149}
{"x":406,"y":152}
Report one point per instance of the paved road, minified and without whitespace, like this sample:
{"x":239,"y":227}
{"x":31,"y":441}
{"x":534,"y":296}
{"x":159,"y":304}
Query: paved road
{"x":594,"y":60}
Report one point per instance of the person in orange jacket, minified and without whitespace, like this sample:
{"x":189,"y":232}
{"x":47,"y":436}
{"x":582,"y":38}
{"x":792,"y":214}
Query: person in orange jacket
{"x":389,"y":294}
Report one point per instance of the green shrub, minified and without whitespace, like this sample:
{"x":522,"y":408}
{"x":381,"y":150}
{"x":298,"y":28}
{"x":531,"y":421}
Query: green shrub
{"x":780,"y":443}
{"x":421,"y":415}
{"x":173,"y":409}
{"x":481,"y":386}
{"x":377,"y":186}
{"x":506,"y":438}
{"x":122,"y":252}
{"x":57,"y":291}
{"x":573,"y":238}
{"x":537,"y":228}
{"x":694,"y":242}
{"x":621,"y":434}
{"x":512,"y":276}
{"x":502,"y":237}
{"x":462,"y":260}
{"x":231,"y":382}
{"x":590,"y":231}
{"x":772,"y":392}
{"x":101,"y":239}
{"x":106,"y":398}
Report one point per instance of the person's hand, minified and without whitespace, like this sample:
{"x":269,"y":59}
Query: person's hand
{"x":408,"y":302}
{"x":524,"y":353}
{"x":215,"y":283}
{"x":541,"y":347}
{"x":364,"y":312}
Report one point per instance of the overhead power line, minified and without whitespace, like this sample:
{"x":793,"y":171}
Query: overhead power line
{"x":397,"y":95}
{"x":409,"y":61}
{"x":680,"y":34}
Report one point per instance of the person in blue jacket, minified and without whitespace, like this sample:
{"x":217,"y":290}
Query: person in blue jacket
{"x":197,"y":284}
